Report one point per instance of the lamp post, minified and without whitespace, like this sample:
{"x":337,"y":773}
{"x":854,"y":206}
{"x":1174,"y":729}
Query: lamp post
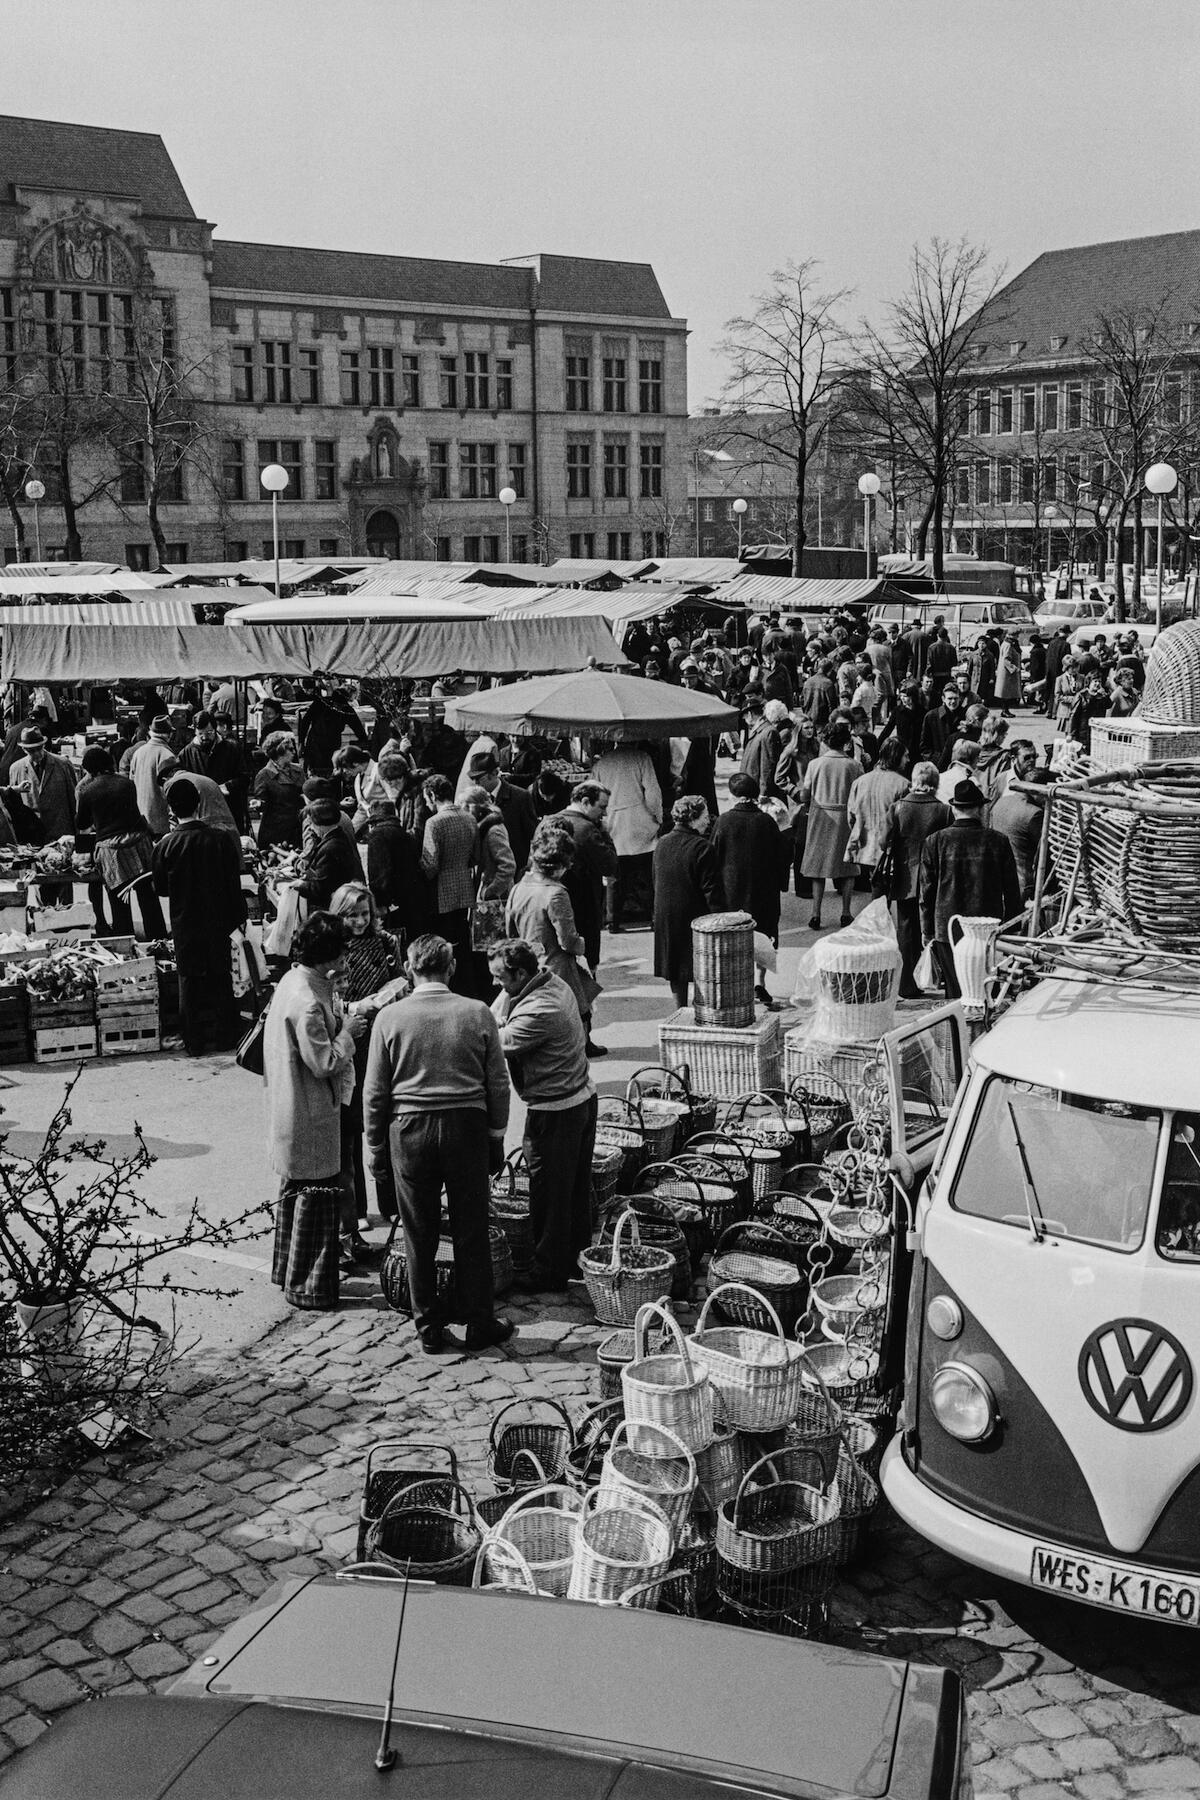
{"x":1160,"y":480}
{"x":35,"y":493}
{"x":275,"y":478}
{"x":713,"y":456}
{"x":868,"y":486}
{"x":506,"y":497}
{"x":1050,"y":512}
{"x":739,"y":507}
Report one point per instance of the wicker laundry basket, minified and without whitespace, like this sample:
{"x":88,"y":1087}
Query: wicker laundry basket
{"x":723,"y":968}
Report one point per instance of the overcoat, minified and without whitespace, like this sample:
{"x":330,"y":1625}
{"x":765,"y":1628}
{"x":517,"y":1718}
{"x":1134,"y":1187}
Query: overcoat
{"x":687,"y":885}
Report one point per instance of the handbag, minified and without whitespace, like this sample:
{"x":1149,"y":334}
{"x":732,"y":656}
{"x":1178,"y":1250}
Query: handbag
{"x":887,"y":871}
{"x":250,"y":1053}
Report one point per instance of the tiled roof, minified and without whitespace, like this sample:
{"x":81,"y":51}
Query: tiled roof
{"x":1059,"y":295}
{"x":91,"y":159}
{"x":584,"y":284}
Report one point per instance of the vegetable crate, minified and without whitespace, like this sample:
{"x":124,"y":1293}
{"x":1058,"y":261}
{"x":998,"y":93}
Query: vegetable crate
{"x":130,"y":985}
{"x":129,"y":1031}
{"x":723,"y":1060}
{"x":14,"y":1024}
{"x":66,"y":1043}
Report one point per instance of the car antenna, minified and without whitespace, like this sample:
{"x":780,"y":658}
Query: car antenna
{"x":385,"y":1756}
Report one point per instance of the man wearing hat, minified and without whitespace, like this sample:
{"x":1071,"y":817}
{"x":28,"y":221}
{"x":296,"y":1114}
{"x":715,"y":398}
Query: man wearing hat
{"x":1057,"y":652}
{"x":331,"y":856}
{"x":199,"y":870}
{"x":149,"y":766}
{"x":46,"y":783}
{"x":965,"y":868}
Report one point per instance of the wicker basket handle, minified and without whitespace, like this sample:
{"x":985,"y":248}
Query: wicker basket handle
{"x":663,"y":1075}
{"x":623,"y":1499}
{"x":812,"y":1375}
{"x":760,"y":1299}
{"x":825,"y":1476}
{"x":676,"y":1173}
{"x":765,"y":1208}
{"x":738,"y":1106}
{"x":538,"y":1496}
{"x":535,"y":1461}
{"x":593,"y":1423}
{"x":614,"y":1261}
{"x":764,"y":1462}
{"x":799,"y":1088}
{"x":759,"y":1229}
{"x":403,"y":1502}
{"x":513,"y":1161}
{"x":641,"y":1335}
{"x":503,"y":1551}
{"x":407,"y":1444}
{"x":678,"y":1452}
{"x":630,"y":1113}
{"x":511,"y":1406}
{"x":701,"y":1145}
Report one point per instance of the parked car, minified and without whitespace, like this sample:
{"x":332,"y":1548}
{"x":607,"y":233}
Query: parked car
{"x":1078,"y":610}
{"x":509,"y":1696}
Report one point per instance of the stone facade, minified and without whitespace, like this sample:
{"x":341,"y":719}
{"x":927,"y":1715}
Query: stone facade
{"x":401,"y":395}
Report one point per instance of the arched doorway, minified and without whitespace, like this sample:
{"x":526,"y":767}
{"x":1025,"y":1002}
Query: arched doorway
{"x":383,"y":535}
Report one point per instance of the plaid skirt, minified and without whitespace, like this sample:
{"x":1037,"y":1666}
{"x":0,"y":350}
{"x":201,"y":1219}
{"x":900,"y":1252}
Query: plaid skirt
{"x":305,"y":1259}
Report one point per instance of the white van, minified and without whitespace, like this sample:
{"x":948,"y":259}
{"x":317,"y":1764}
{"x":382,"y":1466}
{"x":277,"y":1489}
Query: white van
{"x":965,"y":620}
{"x":1050,"y":1428}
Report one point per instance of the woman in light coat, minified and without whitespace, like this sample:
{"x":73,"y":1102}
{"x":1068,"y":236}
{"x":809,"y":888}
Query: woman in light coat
{"x":308,"y":1071}
{"x":871,"y":803}
{"x":827,"y":786}
{"x":635,"y":814}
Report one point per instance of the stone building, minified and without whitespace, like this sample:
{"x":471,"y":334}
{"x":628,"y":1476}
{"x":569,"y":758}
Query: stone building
{"x":402,"y":395}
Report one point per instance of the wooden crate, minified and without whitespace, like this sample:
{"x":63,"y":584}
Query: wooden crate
{"x":127,"y":986}
{"x":61,"y":1015}
{"x":64,"y":1043}
{"x":14,"y":1024}
{"x":723,"y":1060}
{"x":132,"y":1032}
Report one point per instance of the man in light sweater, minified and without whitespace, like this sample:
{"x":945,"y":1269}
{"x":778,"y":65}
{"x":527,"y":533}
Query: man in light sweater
{"x":435,"y":1107}
{"x":542,"y":1036}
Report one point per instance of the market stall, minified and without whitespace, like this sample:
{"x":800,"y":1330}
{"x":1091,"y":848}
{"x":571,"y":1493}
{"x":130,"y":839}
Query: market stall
{"x":593,"y":703}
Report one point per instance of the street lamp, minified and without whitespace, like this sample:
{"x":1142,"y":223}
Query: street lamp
{"x":1160,"y":480}
{"x":507,"y":496}
{"x":1050,"y":512}
{"x":35,"y":492}
{"x":739,"y":507}
{"x":713,"y":456}
{"x":868,"y":486}
{"x":275,"y":478}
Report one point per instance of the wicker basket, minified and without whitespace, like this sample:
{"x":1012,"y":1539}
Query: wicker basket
{"x":607,"y":1161}
{"x":775,"y":1121}
{"x":703,"y":1106}
{"x":650,"y":1460}
{"x":856,"y":987}
{"x":510,"y":1210}
{"x":433,"y":1543}
{"x":730,"y":1163}
{"x":393,"y":1271}
{"x":723,"y":968}
{"x":622,"y":1279}
{"x":541,"y":1526}
{"x":390,"y":1471}
{"x":593,"y":1434}
{"x":689,"y":1197}
{"x":671,"y":1388}
{"x":818,"y":1422}
{"x":777,"y":1543}
{"x":865,"y":1440}
{"x":1127,"y":846}
{"x":661,"y":1227}
{"x":766,"y":1164}
{"x":619,"y":1127}
{"x":757,"y":1378}
{"x":850,"y":1374}
{"x":851,"y":1307}
{"x":858,"y":1500}
{"x":624,"y":1541}
{"x":759,"y":1260}
{"x":501,"y":1568}
{"x":719,"y":1468}
{"x":724,"y":1060}
{"x":540,"y":1427}
{"x":666,"y":1118}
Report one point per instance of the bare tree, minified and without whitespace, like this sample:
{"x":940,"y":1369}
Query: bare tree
{"x":786,"y":378}
{"x":665,"y":518}
{"x":918,"y":366}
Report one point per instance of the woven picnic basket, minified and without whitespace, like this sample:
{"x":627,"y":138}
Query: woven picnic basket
{"x":393,"y":1271}
{"x":865,"y":1440}
{"x":666,"y":1117}
{"x":757,"y":1376}
{"x":733,"y":1158}
{"x":624,"y":1276}
{"x":684,"y":1195}
{"x":619,"y":1127}
{"x":777,"y":1541}
{"x":434,"y":1543}
{"x":528,"y":1474}
{"x":851,"y":1307}
{"x":719,"y":1468}
{"x":818,"y":1421}
{"x":824,"y":1099}
{"x":723,"y":968}
{"x":624,"y":1541}
{"x":695,"y":1558}
{"x":501,"y":1568}
{"x":509,"y":1210}
{"x":390,"y":1471}
{"x":661,"y":1226}
{"x":715,"y":1195}
{"x":775,"y":1120}
{"x":703,"y":1107}
{"x":759,"y":1260}
{"x":612,"y":1354}
{"x":670,"y":1388}
{"x":673,"y":1593}
{"x":607,"y":1161}
{"x":849,"y":1372}
{"x":541,"y":1525}
{"x":652,"y":1461}
{"x":538,"y":1426}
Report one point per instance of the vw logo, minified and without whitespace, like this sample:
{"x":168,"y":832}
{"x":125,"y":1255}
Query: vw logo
{"x":1135,"y":1374}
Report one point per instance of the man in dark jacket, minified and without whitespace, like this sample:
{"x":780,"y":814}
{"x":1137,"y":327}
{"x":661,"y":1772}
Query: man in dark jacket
{"x":941,"y":658}
{"x":331,"y":857}
{"x":513,"y":803}
{"x":965,"y":868}
{"x":819,"y":695}
{"x":915,"y":817}
{"x":394,"y":873}
{"x":197,"y":868}
{"x":686,"y":887}
{"x":323,"y":726}
{"x":760,"y":758}
{"x":753,"y":861}
{"x":1057,"y":652}
{"x":595,"y":860}
{"x":942,"y":726}
{"x":1018,"y":814}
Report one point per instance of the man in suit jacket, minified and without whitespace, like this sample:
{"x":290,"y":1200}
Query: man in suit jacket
{"x":199,"y":871}
{"x":595,"y":858}
{"x":753,"y":860}
{"x":965,"y":868}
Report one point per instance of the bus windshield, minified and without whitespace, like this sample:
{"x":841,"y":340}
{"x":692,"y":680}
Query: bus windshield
{"x":1086,"y":1172}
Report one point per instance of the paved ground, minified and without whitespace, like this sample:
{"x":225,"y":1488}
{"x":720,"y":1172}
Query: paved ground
{"x":120,"y":1578}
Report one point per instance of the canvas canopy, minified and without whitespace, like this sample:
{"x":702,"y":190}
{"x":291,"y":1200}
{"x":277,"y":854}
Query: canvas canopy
{"x":95,"y":653}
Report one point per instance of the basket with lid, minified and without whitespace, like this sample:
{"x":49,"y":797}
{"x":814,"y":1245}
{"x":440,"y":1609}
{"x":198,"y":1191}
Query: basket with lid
{"x":723,"y":968}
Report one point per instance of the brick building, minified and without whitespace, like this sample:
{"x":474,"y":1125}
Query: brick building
{"x":401,"y":395}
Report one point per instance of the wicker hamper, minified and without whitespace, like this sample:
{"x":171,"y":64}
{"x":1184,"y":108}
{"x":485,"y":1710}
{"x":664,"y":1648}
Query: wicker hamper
{"x":723,"y":968}
{"x":723,"y":1060}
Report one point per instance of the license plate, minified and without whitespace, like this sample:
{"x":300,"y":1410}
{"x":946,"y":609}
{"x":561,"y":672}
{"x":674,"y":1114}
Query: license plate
{"x":1118,"y":1586}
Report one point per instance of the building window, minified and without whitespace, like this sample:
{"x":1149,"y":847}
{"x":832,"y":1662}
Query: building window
{"x":448,"y":380}
{"x":1171,"y":405}
{"x":1071,"y":478}
{"x":650,"y":457}
{"x":137,"y":556}
{"x":439,"y":471}
{"x":277,"y":374}
{"x":327,"y":546}
{"x":476,"y":381}
{"x":8,"y":336}
{"x":983,"y":412}
{"x":1005,"y":421}
{"x":351,"y":378}
{"x":310,"y":377}
{"x":983,"y":484}
{"x":381,"y":376}
{"x":579,"y":375}
{"x":520,"y":547}
{"x":243,"y":371}
{"x":1050,"y":479}
{"x":707,"y":544}
{"x":616,"y":387}
{"x":1028,"y":479}
{"x":708,"y":512}
{"x":1004,"y":483}
{"x":583,"y":545}
{"x":1049,"y":409}
{"x":481,"y":549}
{"x":285,"y":452}
{"x":962,"y":486}
{"x":1097,"y":405}
{"x":237,"y":550}
{"x":618,"y":546}
{"x":654,"y":543}
{"x":233,"y":469}
{"x":1074,"y":406}
{"x":516,"y":469}
{"x":176,"y":553}
{"x":616,"y":471}
{"x":477,"y":471}
{"x":410,"y":375}
{"x":133,"y":475}
{"x":1028,"y":409}
{"x":650,"y":378}
{"x":325,"y":473}
{"x":579,"y":471}
{"x":504,"y":383}
{"x":963,"y":412}
{"x":290,"y":547}
{"x":441,"y":549}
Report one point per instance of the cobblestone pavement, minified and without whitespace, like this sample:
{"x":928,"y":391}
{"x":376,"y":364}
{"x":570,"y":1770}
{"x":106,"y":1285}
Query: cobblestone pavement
{"x":119,"y":1579}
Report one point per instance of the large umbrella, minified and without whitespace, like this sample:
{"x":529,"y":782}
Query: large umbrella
{"x":593,"y":703}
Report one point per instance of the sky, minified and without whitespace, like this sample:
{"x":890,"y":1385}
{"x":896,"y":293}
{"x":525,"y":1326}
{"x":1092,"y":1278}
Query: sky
{"x":715,"y":139}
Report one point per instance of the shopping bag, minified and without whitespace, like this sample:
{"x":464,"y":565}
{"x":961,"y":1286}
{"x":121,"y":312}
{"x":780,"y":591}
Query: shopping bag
{"x":926,"y":972}
{"x":277,"y":940}
{"x":487,"y":924}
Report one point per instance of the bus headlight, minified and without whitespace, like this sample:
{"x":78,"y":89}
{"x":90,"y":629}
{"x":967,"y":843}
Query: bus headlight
{"x":963,"y":1403}
{"x":944,"y":1317}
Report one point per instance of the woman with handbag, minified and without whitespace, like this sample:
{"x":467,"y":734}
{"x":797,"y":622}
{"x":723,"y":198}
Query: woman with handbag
{"x":371,"y":974}
{"x":107,"y":812}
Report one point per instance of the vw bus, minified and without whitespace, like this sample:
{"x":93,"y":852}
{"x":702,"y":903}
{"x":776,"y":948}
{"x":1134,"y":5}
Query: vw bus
{"x":1049,"y":1429}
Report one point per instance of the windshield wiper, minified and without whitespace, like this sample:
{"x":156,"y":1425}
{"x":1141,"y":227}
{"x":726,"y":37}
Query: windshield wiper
{"x":1033,"y":1205}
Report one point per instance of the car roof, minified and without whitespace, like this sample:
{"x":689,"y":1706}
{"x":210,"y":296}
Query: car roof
{"x":1106,"y":1040}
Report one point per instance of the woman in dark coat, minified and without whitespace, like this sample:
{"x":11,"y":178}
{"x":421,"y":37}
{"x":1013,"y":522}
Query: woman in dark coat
{"x":686,"y":887}
{"x":752,"y":859}
{"x":917,"y":815}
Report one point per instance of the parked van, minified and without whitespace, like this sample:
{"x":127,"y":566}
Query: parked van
{"x":965,"y":620}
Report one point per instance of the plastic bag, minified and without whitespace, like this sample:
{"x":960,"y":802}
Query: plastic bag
{"x":873,"y":926}
{"x":926,"y":972}
{"x":279,"y":934}
{"x":852,"y":977}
